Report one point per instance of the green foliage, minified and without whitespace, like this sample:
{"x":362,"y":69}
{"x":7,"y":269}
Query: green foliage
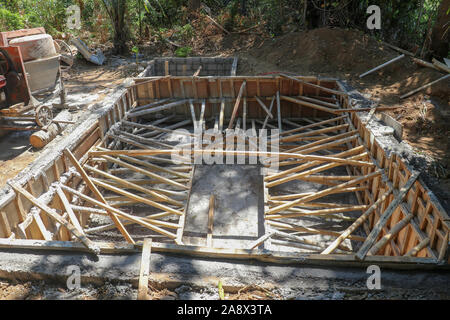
{"x":184,"y":33}
{"x":183,"y":52}
{"x":10,"y":21}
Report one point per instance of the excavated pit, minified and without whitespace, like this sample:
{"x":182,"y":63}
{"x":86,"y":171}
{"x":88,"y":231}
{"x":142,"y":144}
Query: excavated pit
{"x":330,"y":170}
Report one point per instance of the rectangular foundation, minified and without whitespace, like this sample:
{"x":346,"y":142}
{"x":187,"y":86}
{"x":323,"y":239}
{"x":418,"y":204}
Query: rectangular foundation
{"x":331,"y":170}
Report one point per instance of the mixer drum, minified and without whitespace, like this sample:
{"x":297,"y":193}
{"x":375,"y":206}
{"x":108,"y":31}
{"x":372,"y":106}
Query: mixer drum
{"x":35,"y":47}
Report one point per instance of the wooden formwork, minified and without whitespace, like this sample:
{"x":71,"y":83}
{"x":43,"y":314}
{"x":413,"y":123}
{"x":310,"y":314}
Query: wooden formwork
{"x":414,"y":231}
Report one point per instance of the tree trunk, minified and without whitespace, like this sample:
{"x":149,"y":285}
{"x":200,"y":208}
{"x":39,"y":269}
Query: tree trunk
{"x":439,"y":37}
{"x":194,"y":5}
{"x":117,"y":12}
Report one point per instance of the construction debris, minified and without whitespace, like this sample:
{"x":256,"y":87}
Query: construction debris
{"x":382,"y":65}
{"x":97,"y":58}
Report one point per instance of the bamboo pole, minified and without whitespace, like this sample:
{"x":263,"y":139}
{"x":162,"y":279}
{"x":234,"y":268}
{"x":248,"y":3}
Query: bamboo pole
{"x":269,"y":114}
{"x":264,"y":107}
{"x":145,"y":172}
{"x":157,"y":109}
{"x":55,"y":216}
{"x":424,"y":87}
{"x":385,"y":217}
{"x":414,"y":251}
{"x":389,"y":236}
{"x":97,"y":194}
{"x":311,"y":171}
{"x":382,"y":65}
{"x":324,"y":192}
{"x":127,"y":184}
{"x":312,"y":164}
{"x":355,"y":225}
{"x":309,"y":104}
{"x":119,"y":212}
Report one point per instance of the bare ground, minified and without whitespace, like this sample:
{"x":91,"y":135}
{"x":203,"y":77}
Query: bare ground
{"x":343,"y":54}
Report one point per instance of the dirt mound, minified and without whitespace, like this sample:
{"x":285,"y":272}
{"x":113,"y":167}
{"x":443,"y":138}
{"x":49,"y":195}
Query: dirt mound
{"x":324,"y":50}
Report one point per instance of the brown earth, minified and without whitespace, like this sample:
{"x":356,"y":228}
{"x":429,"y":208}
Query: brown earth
{"x":326,"y":52}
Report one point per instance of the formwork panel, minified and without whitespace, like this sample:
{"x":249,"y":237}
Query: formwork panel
{"x":431,"y":221}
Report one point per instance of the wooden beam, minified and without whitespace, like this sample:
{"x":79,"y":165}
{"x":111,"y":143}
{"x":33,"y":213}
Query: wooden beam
{"x":385,"y":217}
{"x":144,"y":271}
{"x":66,"y":204}
{"x":269,"y":114}
{"x":339,"y":93}
{"x":309,"y":104}
{"x":97,"y":194}
{"x":414,"y":251}
{"x":389,"y":236}
{"x":119,"y":213}
{"x":55,"y":216}
{"x":325,"y":192}
{"x":262,"y":104}
{"x":157,"y":109}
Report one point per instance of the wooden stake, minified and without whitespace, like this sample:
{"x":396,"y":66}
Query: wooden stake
{"x":144,"y":270}
{"x":279,"y":112}
{"x":236,"y":105}
{"x":210,"y":221}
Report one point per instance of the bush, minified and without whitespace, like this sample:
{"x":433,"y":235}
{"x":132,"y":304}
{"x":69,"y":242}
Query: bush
{"x":183,"y":52}
{"x":10,"y":21}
